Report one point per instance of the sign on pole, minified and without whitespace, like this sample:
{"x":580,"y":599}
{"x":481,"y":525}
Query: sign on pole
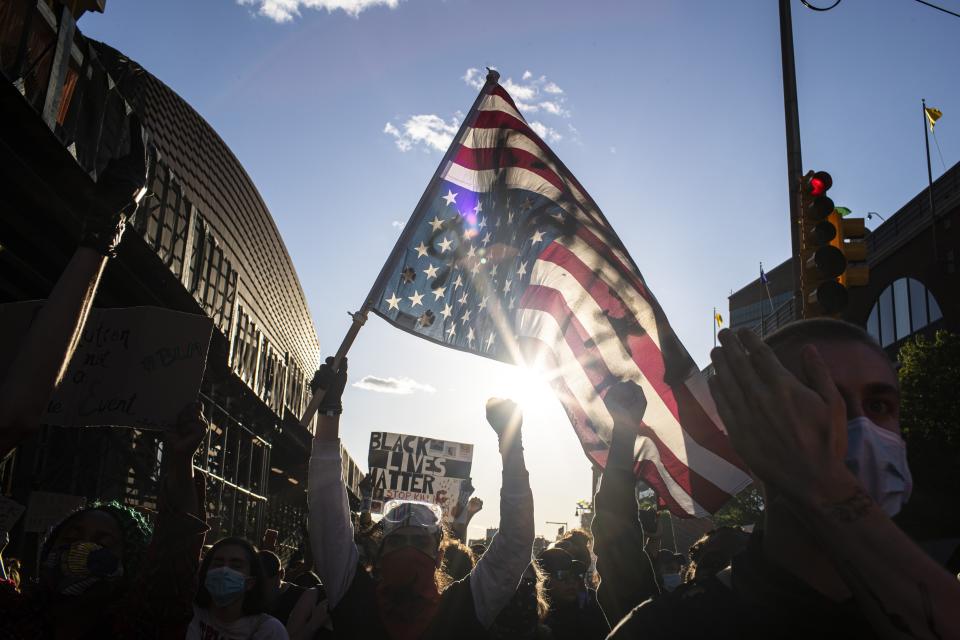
{"x":133,"y":367}
{"x":407,"y":467}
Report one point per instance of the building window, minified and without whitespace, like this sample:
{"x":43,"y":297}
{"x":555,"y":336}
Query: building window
{"x":213,"y":280}
{"x":903,"y":308}
{"x":164,"y":216}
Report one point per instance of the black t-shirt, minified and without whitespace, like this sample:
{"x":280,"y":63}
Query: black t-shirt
{"x":579,"y":621}
{"x":761,"y":601}
{"x":356,"y":615}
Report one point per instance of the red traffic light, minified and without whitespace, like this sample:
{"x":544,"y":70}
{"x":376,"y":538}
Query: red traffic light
{"x":820,"y":182}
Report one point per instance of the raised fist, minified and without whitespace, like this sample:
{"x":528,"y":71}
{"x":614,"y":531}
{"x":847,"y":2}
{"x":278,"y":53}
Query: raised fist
{"x":504,"y":415}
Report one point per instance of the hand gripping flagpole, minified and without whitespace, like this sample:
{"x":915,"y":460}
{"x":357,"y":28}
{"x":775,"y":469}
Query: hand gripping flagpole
{"x":360,"y":317}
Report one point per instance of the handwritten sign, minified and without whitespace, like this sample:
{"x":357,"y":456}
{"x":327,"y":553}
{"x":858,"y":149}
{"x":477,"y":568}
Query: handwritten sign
{"x":406,"y":467}
{"x":46,"y":509}
{"x":133,"y":367}
{"x":10,"y":512}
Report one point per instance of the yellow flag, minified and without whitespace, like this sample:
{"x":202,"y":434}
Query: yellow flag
{"x":719,"y":319}
{"x":932,"y":115}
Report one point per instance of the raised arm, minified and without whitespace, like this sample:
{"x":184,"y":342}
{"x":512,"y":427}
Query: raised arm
{"x":494,"y":579}
{"x":335,"y":554}
{"x":626,"y":573}
{"x":46,"y":350}
{"x":165,"y":588}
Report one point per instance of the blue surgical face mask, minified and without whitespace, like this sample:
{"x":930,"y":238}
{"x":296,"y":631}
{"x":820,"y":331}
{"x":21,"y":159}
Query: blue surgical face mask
{"x":225,"y":585}
{"x":671,"y":581}
{"x":878,"y":458}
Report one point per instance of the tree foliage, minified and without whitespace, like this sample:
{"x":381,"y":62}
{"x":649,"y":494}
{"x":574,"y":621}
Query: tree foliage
{"x":743,"y":509}
{"x":930,"y":420}
{"x":930,"y":391}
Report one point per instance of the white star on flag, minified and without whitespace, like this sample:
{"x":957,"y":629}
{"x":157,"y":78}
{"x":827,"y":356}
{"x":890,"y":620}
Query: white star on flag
{"x":537,"y":236}
{"x":421,"y":250}
{"x":431,"y":271}
{"x":451,"y":198}
{"x":447,"y":311}
{"x":415,"y":298}
{"x":394,"y":301}
{"x":438,"y":293}
{"x":445,"y":244}
{"x":436,"y":223}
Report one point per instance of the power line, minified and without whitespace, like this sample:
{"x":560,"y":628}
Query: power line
{"x":810,"y":6}
{"x":813,"y":7}
{"x":932,"y":6}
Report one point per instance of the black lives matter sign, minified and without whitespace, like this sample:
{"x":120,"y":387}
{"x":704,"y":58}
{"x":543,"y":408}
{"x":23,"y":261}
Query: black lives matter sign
{"x":407,"y":467}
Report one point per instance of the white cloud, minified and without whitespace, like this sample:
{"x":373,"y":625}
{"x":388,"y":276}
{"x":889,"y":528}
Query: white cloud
{"x":613,"y":149}
{"x":400,"y":386}
{"x":287,"y":10}
{"x":545,"y":132}
{"x":428,"y":130}
{"x":554,"y":108}
{"x":532,"y":94}
{"x":524,"y":92}
{"x":474,"y":77}
{"x":396,"y":224}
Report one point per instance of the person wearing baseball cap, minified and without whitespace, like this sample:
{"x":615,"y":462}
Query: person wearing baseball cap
{"x":573,"y":613}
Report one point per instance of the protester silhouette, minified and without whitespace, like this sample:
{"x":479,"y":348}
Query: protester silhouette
{"x":406,"y":595}
{"x":814,"y":414}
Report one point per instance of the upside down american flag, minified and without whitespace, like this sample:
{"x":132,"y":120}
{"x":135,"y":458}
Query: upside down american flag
{"x":508,"y":257}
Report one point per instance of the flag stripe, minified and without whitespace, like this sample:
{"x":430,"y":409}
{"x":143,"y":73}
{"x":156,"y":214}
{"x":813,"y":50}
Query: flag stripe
{"x":482,"y":159}
{"x":577,"y":338}
{"x":678,"y":489}
{"x":641,"y":350}
{"x":496,"y":139}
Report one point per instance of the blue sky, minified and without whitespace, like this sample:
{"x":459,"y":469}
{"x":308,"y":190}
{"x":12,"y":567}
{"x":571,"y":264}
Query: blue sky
{"x":669,"y":113}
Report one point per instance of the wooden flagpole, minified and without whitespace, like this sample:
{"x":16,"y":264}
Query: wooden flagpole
{"x":360,"y":316}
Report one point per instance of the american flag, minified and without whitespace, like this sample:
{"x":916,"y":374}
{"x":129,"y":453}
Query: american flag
{"x":508,"y":257}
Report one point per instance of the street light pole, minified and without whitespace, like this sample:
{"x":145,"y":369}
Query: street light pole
{"x":791,"y":114}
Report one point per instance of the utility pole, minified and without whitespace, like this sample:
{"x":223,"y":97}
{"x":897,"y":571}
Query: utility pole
{"x":791,"y":115}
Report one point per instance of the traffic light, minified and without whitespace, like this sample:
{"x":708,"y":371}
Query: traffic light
{"x":832,"y":251}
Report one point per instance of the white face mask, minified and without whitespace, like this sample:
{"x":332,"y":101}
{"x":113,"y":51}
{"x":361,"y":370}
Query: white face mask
{"x":878,"y":458}
{"x":671,"y":581}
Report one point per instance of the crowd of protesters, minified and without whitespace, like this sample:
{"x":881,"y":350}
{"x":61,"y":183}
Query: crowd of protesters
{"x":813,"y":412}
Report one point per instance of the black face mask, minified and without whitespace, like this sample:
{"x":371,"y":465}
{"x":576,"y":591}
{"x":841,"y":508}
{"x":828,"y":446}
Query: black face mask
{"x":518,"y":619}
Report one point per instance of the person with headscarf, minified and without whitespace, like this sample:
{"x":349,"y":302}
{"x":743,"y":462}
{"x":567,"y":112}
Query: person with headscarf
{"x":103,"y":572}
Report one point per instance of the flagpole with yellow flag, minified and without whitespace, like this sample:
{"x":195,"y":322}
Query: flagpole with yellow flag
{"x":930,"y":115}
{"x":717,"y":322}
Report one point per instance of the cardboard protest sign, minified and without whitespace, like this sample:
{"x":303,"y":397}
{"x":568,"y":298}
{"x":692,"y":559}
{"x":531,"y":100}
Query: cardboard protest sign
{"x":133,"y":367}
{"x":10,"y":511}
{"x":45,"y":509}
{"x":406,"y":467}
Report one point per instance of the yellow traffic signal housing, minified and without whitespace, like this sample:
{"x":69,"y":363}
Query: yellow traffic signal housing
{"x":850,"y":240}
